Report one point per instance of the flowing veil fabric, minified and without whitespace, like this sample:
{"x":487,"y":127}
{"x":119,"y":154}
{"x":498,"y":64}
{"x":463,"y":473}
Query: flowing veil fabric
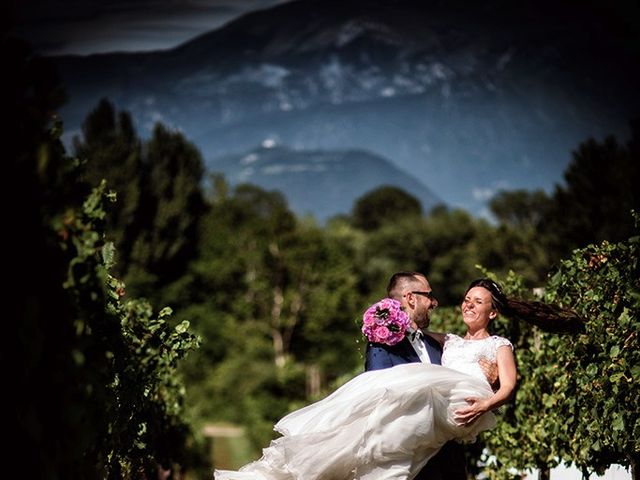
{"x":381,"y":425}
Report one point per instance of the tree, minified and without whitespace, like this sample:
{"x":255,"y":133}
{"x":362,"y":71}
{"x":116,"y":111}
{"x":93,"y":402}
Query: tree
{"x":129,"y":396}
{"x":95,"y":392}
{"x":169,"y":212}
{"x":383,"y":205}
{"x":447,"y":245}
{"x":599,"y":194}
{"x":112,"y":151}
{"x":266,"y":292}
{"x":520,"y":209}
{"x":159,"y":198}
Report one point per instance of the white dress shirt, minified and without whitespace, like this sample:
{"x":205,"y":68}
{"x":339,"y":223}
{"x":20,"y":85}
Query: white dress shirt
{"x":418,"y":345}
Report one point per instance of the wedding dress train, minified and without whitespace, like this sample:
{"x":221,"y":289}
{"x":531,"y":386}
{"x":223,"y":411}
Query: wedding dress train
{"x":383,"y":424}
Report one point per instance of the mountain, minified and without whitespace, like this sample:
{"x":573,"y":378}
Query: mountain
{"x":323,"y":183}
{"x":467,"y":97}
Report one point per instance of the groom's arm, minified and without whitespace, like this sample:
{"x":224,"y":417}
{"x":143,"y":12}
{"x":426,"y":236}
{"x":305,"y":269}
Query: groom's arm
{"x":377,"y":358}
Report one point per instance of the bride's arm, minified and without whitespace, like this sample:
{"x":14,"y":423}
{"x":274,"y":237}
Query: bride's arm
{"x":506,"y":375}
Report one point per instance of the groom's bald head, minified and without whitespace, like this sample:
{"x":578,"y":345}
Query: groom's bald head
{"x":401,"y":282}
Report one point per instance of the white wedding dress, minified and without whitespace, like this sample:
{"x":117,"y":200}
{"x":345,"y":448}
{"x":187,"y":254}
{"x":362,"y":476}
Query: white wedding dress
{"x":381,"y":425}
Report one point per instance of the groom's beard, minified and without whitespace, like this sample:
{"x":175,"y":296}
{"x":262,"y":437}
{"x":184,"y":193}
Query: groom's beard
{"x":422,"y":319}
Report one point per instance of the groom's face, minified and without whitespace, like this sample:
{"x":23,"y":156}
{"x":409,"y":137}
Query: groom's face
{"x":423,"y":302}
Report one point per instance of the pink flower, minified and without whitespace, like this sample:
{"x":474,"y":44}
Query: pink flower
{"x":382,"y":333}
{"x":385,"y":322}
{"x":369,"y":320}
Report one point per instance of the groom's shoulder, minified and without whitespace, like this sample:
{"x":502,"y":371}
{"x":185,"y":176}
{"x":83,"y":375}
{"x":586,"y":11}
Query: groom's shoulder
{"x":391,"y":351}
{"x":388,"y":348}
{"x":380,"y":355}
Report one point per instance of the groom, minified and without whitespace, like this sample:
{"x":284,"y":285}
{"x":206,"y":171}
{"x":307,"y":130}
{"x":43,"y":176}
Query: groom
{"x":413,"y":291}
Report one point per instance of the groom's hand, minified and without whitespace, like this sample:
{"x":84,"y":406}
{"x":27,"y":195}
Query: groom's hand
{"x":490,"y":370}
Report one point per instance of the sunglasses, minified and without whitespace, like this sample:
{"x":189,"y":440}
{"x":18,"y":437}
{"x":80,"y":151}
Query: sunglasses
{"x":428,"y":294}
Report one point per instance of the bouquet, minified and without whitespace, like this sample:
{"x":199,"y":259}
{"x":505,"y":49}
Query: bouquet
{"x":385,"y":322}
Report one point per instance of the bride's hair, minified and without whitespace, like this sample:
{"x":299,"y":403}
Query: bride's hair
{"x":550,"y":318}
{"x":498,"y":298}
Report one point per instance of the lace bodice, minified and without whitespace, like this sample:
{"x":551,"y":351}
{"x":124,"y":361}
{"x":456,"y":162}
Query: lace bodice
{"x":463,"y":355}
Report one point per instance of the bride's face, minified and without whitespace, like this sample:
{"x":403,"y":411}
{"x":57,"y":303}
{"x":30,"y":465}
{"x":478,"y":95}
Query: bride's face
{"x":477,"y":310}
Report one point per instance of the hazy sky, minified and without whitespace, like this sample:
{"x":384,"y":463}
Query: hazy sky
{"x":82,"y":27}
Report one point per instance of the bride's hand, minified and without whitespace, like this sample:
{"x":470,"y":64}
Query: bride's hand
{"x":467,"y":415}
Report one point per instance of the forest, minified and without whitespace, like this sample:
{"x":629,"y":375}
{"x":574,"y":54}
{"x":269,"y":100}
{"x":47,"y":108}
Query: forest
{"x":153,"y":301}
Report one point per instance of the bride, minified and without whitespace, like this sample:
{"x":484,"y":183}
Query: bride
{"x":386,"y":424}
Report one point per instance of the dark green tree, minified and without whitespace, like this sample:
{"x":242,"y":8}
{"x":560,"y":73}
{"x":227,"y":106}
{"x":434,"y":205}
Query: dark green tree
{"x":169,"y":212}
{"x":234,"y":293}
{"x":112,"y":151}
{"x":446,"y":245}
{"x":599,"y":193}
{"x":130,"y":393}
{"x":521,"y":209}
{"x":95,"y":393}
{"x":159,"y":198}
{"x":266,"y":292}
{"x":383,"y":205}
{"x":521,"y":241}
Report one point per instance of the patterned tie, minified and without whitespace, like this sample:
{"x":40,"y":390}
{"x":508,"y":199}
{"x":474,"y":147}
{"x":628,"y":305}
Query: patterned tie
{"x":416,"y":335}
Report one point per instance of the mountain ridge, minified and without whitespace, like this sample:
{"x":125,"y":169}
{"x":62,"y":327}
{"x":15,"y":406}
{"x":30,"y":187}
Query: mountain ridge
{"x":470,"y":97}
{"x":319,"y":182}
